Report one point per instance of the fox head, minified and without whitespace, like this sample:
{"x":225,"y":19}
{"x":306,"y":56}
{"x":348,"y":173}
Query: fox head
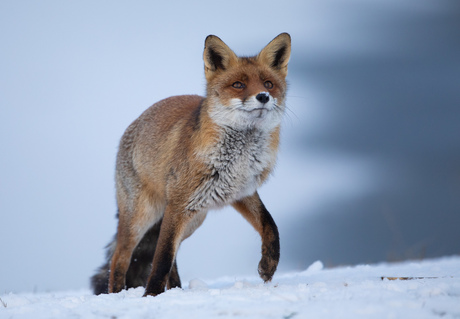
{"x":246,"y":92}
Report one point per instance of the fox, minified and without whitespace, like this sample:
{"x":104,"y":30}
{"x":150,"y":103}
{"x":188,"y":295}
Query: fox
{"x":188,"y":154}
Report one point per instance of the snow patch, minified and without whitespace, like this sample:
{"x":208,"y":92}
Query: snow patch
{"x":315,"y":267}
{"x":343,"y":292}
{"x":197,"y":284}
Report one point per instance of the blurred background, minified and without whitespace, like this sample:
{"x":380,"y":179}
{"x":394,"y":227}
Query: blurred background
{"x":369,"y":168}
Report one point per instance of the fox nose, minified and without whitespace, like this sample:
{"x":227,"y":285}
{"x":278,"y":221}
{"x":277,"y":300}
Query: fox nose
{"x":263,"y":97}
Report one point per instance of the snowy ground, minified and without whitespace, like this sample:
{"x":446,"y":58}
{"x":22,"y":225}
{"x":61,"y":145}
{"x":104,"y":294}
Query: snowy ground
{"x":346,"y":292}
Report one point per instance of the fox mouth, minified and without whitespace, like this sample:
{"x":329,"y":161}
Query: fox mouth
{"x":256,"y":109}
{"x":257,"y":112}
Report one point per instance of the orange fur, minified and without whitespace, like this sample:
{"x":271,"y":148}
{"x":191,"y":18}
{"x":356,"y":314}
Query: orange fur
{"x":188,"y":154}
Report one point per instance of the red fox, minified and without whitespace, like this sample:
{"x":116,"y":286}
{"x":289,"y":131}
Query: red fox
{"x":188,"y":154}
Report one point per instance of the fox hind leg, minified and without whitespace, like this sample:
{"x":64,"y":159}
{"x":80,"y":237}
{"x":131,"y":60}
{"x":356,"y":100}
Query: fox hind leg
{"x":140,"y":266}
{"x":141,"y":260}
{"x":120,"y":263}
{"x":132,"y":227}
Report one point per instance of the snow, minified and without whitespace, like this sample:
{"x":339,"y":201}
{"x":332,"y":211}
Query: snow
{"x":342,"y":292}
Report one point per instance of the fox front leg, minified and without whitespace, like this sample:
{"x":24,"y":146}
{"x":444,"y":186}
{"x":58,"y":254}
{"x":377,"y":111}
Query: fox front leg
{"x":176,"y":226}
{"x":165,"y":254}
{"x":270,"y":246}
{"x":258,"y":216}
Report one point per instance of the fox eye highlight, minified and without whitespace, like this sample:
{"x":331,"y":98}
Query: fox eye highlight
{"x":268,"y":85}
{"x":238,"y":85}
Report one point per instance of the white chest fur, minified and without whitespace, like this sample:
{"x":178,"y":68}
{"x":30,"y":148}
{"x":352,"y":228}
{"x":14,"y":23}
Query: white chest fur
{"x":235,"y":165}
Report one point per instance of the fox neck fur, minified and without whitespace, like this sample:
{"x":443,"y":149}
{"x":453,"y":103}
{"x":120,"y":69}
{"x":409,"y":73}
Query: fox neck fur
{"x":237,"y":162}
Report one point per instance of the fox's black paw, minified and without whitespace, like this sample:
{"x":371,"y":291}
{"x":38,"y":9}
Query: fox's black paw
{"x":267,"y":267}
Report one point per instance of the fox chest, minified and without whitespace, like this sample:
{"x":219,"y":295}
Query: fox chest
{"x":234,"y":169}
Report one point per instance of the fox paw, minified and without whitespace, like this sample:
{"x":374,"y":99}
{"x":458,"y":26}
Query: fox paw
{"x":267,"y":267}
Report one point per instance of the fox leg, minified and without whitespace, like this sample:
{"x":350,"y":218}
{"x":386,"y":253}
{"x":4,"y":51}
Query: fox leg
{"x":175,"y":227}
{"x":165,"y":253}
{"x":254,"y":211}
{"x":174,"y":279}
{"x":119,"y":265}
{"x":131,"y":229}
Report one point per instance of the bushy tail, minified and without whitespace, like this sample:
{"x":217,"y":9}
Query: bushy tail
{"x":100,"y":280}
{"x":140,"y":267}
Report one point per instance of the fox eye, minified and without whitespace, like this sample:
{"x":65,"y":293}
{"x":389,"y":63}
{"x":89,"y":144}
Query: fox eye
{"x":268,"y":85}
{"x":238,"y":85}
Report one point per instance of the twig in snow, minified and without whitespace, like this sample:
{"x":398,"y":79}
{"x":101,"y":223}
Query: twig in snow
{"x":407,"y":278}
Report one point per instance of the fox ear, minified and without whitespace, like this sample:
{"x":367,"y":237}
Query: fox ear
{"x":217,"y":56}
{"x":277,"y":53}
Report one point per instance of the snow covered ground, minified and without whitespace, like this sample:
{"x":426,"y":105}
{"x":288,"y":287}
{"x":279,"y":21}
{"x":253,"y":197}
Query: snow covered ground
{"x":431,"y":291}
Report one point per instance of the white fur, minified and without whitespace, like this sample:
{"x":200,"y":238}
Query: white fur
{"x":236,"y":163}
{"x":250,"y":113}
{"x":241,"y":154}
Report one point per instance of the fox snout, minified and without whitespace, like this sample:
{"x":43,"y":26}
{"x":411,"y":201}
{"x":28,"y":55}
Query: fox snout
{"x":263,"y":97}
{"x":260,"y":101}
{"x":258,"y":106}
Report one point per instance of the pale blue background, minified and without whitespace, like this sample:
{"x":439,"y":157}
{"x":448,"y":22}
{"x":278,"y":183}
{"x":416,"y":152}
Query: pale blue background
{"x":369,"y":168}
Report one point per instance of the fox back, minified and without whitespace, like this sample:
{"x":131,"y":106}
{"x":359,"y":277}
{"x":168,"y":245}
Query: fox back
{"x":188,"y":154}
